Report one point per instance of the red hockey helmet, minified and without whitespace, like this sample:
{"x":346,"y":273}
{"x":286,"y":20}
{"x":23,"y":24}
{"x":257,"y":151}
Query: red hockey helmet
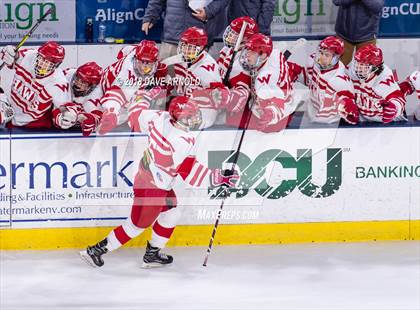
{"x":50,"y":56}
{"x":367,"y":60}
{"x":369,"y":54}
{"x":192,"y":43}
{"x":184,"y":111}
{"x":86,"y":78}
{"x":90,"y":73}
{"x":52,"y":51}
{"x":232,"y":31}
{"x":332,"y":44}
{"x":256,"y":51}
{"x":147,"y":51}
{"x":146,"y":58}
{"x":329,"y":51}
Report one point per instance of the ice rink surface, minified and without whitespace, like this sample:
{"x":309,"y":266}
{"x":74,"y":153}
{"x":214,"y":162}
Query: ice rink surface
{"x":377,"y":275}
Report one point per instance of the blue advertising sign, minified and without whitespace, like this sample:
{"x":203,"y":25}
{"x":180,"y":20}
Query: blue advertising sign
{"x":400,"y":18}
{"x":122,"y":19}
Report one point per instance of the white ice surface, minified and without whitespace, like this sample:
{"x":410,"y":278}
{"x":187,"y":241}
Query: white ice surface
{"x":306,"y":276}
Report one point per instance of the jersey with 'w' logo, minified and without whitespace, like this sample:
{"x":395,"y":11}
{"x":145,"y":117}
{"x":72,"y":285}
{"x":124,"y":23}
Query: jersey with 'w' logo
{"x":191,"y":79}
{"x":33,"y":98}
{"x":275,"y":81}
{"x":327,"y":88}
{"x":372,"y":93}
{"x":171,"y":151}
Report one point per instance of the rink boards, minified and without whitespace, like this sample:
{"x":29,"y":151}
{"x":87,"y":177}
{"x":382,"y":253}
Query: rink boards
{"x":61,"y":190}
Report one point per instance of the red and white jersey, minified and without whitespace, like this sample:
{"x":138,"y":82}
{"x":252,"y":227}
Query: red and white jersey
{"x":170,"y":151}
{"x":121,"y":81}
{"x":414,"y":79}
{"x":371,"y":93}
{"x":274,"y":81}
{"x":327,"y":88}
{"x":225,"y":58}
{"x":34,"y":98}
{"x":191,"y":78}
{"x":88,"y":103}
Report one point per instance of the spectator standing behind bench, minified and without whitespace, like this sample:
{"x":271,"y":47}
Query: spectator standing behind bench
{"x":261,"y":11}
{"x":357,"y":24}
{"x":179,"y":16}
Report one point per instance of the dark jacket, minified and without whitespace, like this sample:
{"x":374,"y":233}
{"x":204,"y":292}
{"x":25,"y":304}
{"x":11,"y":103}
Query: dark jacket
{"x":261,"y":11}
{"x":358,"y":20}
{"x":177,"y":18}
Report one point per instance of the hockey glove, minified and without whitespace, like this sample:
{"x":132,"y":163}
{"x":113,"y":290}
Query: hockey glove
{"x":8,"y":55}
{"x":89,"y":122}
{"x":6,"y":110}
{"x":225,"y":178}
{"x":348,"y":111}
{"x":390,"y":111}
{"x":406,"y":87}
{"x":108,"y":122}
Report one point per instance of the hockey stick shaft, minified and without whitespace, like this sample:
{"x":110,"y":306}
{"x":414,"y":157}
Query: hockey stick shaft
{"x":235,"y":51}
{"x":31,"y":31}
{"x":245,"y":117}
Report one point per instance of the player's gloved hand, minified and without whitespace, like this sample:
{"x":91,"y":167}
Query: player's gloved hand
{"x":66,"y":115}
{"x":406,"y":88}
{"x":266,"y":118}
{"x":6,"y":110}
{"x":88,"y":123}
{"x":225,"y":178}
{"x":347,"y":109}
{"x":238,"y":100}
{"x":108,"y":122}
{"x":390,"y":111}
{"x":8,"y":55}
{"x":220,"y":96}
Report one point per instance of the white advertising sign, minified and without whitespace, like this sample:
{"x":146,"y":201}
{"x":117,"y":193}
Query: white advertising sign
{"x":17,"y":17}
{"x":306,"y":175}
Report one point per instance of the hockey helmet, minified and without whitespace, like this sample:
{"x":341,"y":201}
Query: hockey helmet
{"x":231,"y":34}
{"x":366,"y":61}
{"x":192,"y":43}
{"x":50,"y":56}
{"x":86,"y":78}
{"x":184,"y":111}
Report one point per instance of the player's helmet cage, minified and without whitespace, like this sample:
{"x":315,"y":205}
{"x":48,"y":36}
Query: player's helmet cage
{"x":146,"y":58}
{"x":252,"y":56}
{"x":185,"y":112}
{"x":231,"y":34}
{"x":192,"y":43}
{"x":86,"y":78}
{"x":329,"y":48}
{"x":366,"y":61}
{"x":50,"y":56}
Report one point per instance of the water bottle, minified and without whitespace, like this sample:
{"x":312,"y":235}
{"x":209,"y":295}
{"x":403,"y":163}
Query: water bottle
{"x":89,"y":30}
{"x":101,"y":32}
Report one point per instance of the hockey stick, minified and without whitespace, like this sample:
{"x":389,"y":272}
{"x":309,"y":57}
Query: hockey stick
{"x":245,"y":117}
{"x":31,"y":31}
{"x":235,"y":51}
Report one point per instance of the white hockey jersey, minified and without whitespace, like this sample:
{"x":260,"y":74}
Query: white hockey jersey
{"x":170,"y":151}
{"x":274,"y":83}
{"x":327,"y":88}
{"x":88,"y":103}
{"x":415,"y":81}
{"x":33,"y":98}
{"x":191,"y":79}
{"x":371,"y":93}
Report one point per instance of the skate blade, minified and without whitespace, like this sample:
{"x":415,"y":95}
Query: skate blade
{"x":153,"y":265}
{"x":86,"y":258}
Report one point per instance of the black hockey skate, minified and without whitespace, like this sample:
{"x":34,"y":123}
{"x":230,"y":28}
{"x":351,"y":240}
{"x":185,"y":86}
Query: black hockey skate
{"x":154,"y":258}
{"x":93,"y":254}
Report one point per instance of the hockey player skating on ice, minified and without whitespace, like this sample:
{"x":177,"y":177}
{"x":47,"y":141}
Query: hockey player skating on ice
{"x":138,"y":69}
{"x":170,"y":153}
{"x":331,"y":90}
{"x":378,"y":95}
{"x":272,"y":98}
{"x":86,"y":93}
{"x":39,"y":86}
{"x":411,"y":85}
{"x":198,"y":76}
